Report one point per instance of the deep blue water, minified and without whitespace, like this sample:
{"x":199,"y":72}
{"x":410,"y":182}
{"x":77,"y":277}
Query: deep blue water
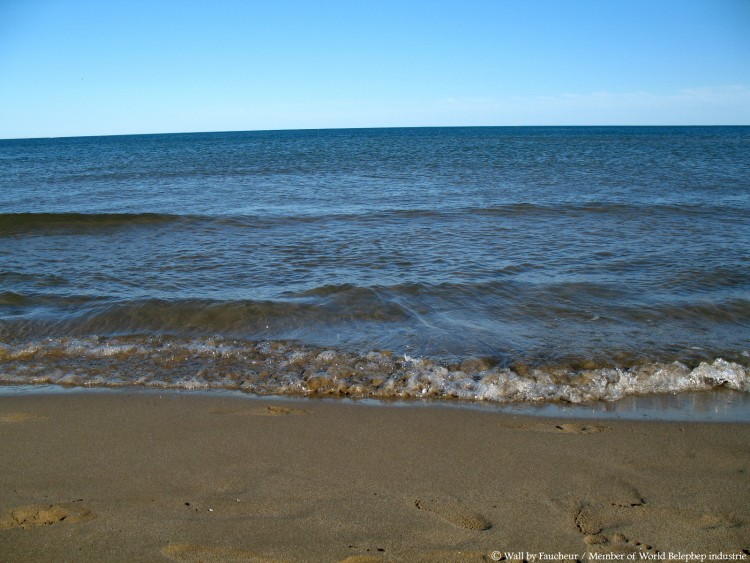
{"x":576,"y":247}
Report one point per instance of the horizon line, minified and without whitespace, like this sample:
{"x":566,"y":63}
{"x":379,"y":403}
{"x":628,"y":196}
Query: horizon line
{"x":282,"y":130}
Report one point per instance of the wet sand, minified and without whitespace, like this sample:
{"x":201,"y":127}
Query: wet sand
{"x":180,"y":477}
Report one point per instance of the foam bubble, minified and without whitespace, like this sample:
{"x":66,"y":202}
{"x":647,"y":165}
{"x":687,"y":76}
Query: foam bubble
{"x":288,"y":368}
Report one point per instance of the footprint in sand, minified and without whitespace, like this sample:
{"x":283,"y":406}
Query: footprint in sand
{"x":617,"y":543}
{"x":20,"y":417}
{"x":278,"y":411}
{"x":621,"y":541}
{"x":624,"y":495}
{"x":562,"y":428}
{"x":44,"y":515}
{"x":270,"y":410}
{"x":208,"y":554}
{"x":592,"y":519}
{"x":454,"y":513}
{"x":571,"y":428}
{"x":713,"y":521}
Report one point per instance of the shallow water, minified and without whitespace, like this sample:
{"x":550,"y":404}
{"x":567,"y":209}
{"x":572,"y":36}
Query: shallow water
{"x":706,"y":406}
{"x":481,"y":263}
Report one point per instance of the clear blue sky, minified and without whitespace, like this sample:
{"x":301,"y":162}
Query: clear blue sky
{"x":93,"y":67}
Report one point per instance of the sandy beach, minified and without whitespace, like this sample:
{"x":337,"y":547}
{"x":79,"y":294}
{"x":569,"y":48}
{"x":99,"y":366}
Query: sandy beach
{"x":180,"y":477}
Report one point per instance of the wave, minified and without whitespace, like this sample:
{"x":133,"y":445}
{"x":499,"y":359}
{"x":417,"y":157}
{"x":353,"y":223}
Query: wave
{"x":45,"y":314}
{"x":505,"y":299}
{"x":733,"y":310}
{"x":22,"y":222}
{"x":695,"y":278}
{"x":19,"y":223}
{"x":289,"y":368}
{"x":47,"y":300}
{"x":12,"y":223}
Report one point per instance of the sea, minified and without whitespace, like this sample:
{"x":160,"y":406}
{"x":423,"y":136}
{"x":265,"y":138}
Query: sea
{"x":480,"y":264}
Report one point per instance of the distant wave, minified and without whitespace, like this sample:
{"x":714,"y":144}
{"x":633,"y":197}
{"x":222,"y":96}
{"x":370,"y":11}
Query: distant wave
{"x":28,"y":222}
{"x":20,"y":222}
{"x":611,"y":208}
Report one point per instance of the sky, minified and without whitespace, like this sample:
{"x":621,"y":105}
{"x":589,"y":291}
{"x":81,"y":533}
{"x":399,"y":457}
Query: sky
{"x":102,"y":67}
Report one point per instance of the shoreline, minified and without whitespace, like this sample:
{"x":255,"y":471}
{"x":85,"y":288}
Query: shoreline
{"x":114,"y":476}
{"x":287,"y":368}
{"x":717,"y":405}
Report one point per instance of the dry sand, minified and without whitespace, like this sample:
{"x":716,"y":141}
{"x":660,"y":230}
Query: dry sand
{"x":149,"y":477}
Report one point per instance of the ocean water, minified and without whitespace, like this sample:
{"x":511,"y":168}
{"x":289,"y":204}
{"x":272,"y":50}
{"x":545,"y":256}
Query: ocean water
{"x":498,"y":264}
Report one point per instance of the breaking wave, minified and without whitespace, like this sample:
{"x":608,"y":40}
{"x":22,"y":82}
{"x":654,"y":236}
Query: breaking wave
{"x":289,"y":368}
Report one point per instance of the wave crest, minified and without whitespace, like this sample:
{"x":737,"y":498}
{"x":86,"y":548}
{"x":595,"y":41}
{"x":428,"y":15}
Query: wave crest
{"x":288,"y":368}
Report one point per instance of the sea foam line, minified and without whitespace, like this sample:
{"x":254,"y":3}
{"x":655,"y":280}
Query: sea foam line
{"x":284,"y":368}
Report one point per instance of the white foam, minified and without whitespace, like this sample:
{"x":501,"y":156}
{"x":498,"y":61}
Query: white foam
{"x":287,"y":368}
